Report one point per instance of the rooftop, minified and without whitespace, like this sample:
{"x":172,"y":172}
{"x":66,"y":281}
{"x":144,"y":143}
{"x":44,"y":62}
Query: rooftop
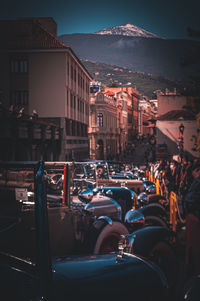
{"x":177,"y":114}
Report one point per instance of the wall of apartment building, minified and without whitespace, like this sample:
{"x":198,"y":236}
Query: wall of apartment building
{"x":168,"y":132}
{"x":5,"y":79}
{"x":169,"y":102}
{"x":57,"y":92}
{"x":47,"y":83}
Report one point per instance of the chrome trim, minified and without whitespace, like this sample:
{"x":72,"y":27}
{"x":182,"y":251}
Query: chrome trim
{"x":133,"y":195}
{"x":107,"y":219}
{"x":89,"y":208}
{"x":125,"y":244}
{"x":109,"y":193}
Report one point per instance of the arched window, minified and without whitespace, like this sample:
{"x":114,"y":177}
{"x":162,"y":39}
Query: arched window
{"x":100,"y":119}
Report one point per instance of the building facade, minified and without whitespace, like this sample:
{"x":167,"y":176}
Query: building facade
{"x":175,"y":110}
{"x":39,"y":73}
{"x":103,"y":131}
{"x":132,"y":96}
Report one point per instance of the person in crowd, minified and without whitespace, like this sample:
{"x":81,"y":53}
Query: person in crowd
{"x":174,"y":175}
{"x":167,"y":178}
{"x":183,"y":177}
{"x":192,"y":208}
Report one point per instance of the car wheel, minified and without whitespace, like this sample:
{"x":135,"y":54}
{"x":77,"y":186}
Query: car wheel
{"x":163,"y":255}
{"x":107,"y":239}
{"x":154,"y":221}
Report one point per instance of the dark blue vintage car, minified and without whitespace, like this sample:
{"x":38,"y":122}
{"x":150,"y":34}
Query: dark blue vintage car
{"x":39,"y":259}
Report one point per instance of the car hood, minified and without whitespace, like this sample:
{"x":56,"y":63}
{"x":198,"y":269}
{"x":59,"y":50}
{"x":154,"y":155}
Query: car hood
{"x":108,"y":275}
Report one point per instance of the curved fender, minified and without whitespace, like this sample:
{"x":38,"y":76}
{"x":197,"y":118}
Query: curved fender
{"x":107,"y":219}
{"x":153,"y":209}
{"x":93,"y":230}
{"x":146,"y":238}
{"x":156,"y":197}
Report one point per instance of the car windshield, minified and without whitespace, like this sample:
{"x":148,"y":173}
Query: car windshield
{"x":89,"y":170}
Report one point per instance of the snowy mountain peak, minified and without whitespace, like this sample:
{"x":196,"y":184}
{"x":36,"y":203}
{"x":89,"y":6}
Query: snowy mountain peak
{"x":127,"y":29}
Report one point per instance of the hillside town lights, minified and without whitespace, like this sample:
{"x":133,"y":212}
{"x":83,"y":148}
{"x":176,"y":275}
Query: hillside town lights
{"x":181,"y":131}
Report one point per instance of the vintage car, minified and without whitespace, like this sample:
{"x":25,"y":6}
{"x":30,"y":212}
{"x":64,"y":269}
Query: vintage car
{"x":110,"y":173}
{"x":40,"y":258}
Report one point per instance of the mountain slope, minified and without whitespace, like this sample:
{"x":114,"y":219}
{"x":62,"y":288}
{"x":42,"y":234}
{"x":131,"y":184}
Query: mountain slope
{"x":144,"y":83}
{"x":160,"y":57}
{"x":127,"y":29}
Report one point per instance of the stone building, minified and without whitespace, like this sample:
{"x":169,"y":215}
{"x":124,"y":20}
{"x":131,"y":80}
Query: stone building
{"x":132,"y":96}
{"x":104,"y":130}
{"x":39,"y":73}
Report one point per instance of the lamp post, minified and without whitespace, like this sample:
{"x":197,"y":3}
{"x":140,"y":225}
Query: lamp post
{"x":180,"y":146}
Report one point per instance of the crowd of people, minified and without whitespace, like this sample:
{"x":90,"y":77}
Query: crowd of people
{"x":183,"y":178}
{"x":174,"y":175}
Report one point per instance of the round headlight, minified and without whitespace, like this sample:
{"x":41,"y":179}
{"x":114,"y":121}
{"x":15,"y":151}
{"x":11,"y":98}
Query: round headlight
{"x":143,"y":198}
{"x":134,"y":217}
{"x":151,"y":189}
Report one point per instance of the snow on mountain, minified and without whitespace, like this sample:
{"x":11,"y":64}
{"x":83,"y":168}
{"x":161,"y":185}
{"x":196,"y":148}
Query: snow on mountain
{"x":127,"y":29}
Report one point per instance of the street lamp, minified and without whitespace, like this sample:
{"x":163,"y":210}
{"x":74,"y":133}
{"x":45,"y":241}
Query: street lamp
{"x":181,"y":128}
{"x":181,"y":131}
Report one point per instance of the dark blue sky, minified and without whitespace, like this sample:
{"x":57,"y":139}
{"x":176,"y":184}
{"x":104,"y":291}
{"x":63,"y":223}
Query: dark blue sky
{"x":168,"y":18}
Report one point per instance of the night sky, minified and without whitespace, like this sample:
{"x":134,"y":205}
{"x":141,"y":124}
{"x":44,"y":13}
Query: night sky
{"x":168,"y":19}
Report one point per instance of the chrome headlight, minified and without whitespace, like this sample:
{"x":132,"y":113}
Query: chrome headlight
{"x":151,"y":189}
{"x":134,"y":217}
{"x":143,"y":198}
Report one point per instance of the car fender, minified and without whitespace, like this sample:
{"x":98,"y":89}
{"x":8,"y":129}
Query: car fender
{"x":153,"y":209}
{"x":98,"y":227}
{"x":145,"y":238}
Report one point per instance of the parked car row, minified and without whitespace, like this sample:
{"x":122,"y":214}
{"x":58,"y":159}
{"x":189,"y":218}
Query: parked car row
{"x":64,"y":235}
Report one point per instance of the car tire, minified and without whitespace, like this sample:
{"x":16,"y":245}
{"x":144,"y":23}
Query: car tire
{"x":107,"y":238}
{"x":163,"y":255}
{"x":155,"y":221}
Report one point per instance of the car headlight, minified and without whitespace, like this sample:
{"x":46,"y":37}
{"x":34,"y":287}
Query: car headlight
{"x":143,"y":198}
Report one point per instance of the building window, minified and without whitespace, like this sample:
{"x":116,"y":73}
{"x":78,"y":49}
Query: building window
{"x":19,"y":98}
{"x":78,"y":104}
{"x":72,"y":72}
{"x":100,"y":119}
{"x":19,"y":65}
{"x":71,"y":100}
